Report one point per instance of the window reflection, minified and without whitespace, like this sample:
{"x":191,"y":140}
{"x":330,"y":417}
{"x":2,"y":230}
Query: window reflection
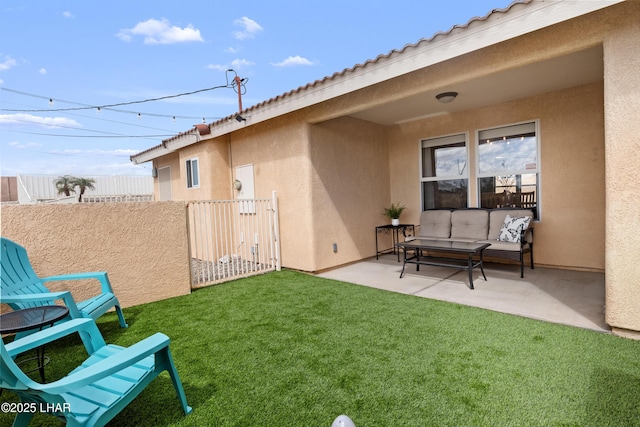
{"x":445,"y":194}
{"x":444,"y":172}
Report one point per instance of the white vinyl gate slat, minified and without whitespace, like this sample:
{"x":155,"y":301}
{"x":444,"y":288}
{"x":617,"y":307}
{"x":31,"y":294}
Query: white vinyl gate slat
{"x":229,"y":239}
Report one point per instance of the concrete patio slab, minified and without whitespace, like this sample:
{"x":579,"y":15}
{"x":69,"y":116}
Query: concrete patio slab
{"x":573,"y":298}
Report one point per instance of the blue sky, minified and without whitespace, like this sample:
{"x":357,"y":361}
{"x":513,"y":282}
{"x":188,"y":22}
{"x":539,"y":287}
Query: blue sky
{"x":82,"y":54}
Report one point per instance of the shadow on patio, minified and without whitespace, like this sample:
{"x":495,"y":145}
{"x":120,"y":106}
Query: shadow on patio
{"x":572,"y":298}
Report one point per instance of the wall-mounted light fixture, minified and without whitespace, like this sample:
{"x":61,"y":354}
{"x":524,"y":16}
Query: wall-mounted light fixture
{"x":240,"y":118}
{"x":237,"y":184}
{"x":446,"y":97}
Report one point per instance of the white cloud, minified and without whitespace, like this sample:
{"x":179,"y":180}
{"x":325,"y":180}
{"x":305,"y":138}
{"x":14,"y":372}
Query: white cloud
{"x":241,"y":63}
{"x":293,"y":61}
{"x":235,"y":64}
{"x":8,"y":63}
{"x":67,"y":14}
{"x":21,"y":145}
{"x":249,"y":28}
{"x":50,"y":122}
{"x":232,"y":49}
{"x":42,"y":70}
{"x":161,"y":32}
{"x":218,"y":67}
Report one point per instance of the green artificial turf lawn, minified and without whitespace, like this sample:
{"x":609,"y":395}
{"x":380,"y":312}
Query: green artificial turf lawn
{"x":290,"y":349}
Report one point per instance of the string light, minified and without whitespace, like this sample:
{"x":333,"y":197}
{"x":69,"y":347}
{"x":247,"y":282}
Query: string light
{"x":109,"y":107}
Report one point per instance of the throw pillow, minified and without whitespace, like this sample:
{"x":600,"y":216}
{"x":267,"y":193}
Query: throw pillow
{"x":512,"y":228}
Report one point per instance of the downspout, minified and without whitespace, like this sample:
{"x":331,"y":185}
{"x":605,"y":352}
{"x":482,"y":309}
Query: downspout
{"x":230,"y":164}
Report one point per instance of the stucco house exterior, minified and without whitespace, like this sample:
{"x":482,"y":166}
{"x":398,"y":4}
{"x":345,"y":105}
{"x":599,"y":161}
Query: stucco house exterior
{"x":548,"y":101}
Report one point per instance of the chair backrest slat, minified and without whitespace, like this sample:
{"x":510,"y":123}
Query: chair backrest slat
{"x":18,"y":276}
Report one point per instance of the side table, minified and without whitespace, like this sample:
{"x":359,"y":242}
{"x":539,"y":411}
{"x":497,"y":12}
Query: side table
{"x":33,"y":318}
{"x":395,"y":237}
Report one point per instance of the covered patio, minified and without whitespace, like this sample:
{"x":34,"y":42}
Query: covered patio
{"x":574,"y":298}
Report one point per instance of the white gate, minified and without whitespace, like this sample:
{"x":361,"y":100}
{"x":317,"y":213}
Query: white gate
{"x":230,"y":239}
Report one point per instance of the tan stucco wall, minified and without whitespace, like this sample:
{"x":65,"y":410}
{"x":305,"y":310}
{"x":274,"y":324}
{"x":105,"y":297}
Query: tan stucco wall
{"x":213,"y":162}
{"x":350,"y":188}
{"x":142,"y":246}
{"x":622,"y":113}
{"x":279,"y":153}
{"x":570,"y":232}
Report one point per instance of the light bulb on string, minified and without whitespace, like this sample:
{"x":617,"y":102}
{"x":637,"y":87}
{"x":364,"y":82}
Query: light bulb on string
{"x":139,"y":116}
{"x":50,"y":102}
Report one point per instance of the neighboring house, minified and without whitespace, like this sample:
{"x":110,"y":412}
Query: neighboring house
{"x":9,"y":189}
{"x":42,"y":189}
{"x":548,"y":100}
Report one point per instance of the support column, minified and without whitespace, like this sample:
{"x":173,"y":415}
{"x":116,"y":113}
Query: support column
{"x":622,"y":159}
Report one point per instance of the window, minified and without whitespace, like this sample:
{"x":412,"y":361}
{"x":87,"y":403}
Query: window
{"x":444,"y":178}
{"x":508,"y":173}
{"x":193,"y":177}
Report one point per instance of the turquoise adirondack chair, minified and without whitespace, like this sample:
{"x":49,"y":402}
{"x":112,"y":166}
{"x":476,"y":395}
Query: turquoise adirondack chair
{"x":97,"y":390}
{"x":22,"y":288}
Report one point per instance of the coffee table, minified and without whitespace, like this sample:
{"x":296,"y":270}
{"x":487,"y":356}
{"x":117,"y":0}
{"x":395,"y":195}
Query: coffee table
{"x":444,"y":248}
{"x":30,"y":318}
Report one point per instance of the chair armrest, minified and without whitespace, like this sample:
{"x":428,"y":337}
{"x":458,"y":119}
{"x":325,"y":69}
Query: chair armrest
{"x":45,"y":336}
{"x":45,"y":296}
{"x":526,"y":236}
{"x":110,"y":365}
{"x":101,"y":276}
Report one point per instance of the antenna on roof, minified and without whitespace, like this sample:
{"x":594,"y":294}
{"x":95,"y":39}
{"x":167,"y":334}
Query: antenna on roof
{"x":237,"y":85}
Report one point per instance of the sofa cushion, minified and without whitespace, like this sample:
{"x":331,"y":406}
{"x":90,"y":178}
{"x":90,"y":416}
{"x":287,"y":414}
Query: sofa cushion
{"x":435,"y":223}
{"x":497,"y":216}
{"x":513,"y":227}
{"x":469,"y":224}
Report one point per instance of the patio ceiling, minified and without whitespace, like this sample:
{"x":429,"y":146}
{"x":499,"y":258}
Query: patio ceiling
{"x":563,"y":72}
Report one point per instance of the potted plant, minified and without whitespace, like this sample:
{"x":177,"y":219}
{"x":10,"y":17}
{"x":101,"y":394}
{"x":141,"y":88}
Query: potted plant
{"x":394,"y":212}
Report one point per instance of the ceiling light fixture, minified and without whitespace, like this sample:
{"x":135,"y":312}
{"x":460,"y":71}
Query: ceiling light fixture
{"x":446,"y":97}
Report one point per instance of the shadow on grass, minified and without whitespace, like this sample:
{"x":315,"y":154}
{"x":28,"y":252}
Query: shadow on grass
{"x":158,"y":404}
{"x":610,"y":400}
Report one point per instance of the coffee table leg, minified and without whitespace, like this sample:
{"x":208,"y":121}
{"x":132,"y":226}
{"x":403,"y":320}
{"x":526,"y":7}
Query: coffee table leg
{"x":481,"y":267}
{"x":470,"y":268}
{"x":404,"y":263}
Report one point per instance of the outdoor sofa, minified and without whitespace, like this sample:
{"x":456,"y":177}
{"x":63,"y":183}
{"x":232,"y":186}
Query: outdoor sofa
{"x":510,"y":237}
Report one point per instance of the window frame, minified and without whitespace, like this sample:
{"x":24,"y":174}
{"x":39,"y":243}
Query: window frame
{"x":443,"y":140}
{"x":189,"y":163}
{"x":534,"y":171}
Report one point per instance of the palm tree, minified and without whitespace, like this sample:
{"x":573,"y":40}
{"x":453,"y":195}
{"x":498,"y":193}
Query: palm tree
{"x":83,"y":183}
{"x":65,"y":185}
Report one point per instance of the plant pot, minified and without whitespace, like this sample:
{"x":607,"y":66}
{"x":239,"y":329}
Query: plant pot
{"x":395,"y":221}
